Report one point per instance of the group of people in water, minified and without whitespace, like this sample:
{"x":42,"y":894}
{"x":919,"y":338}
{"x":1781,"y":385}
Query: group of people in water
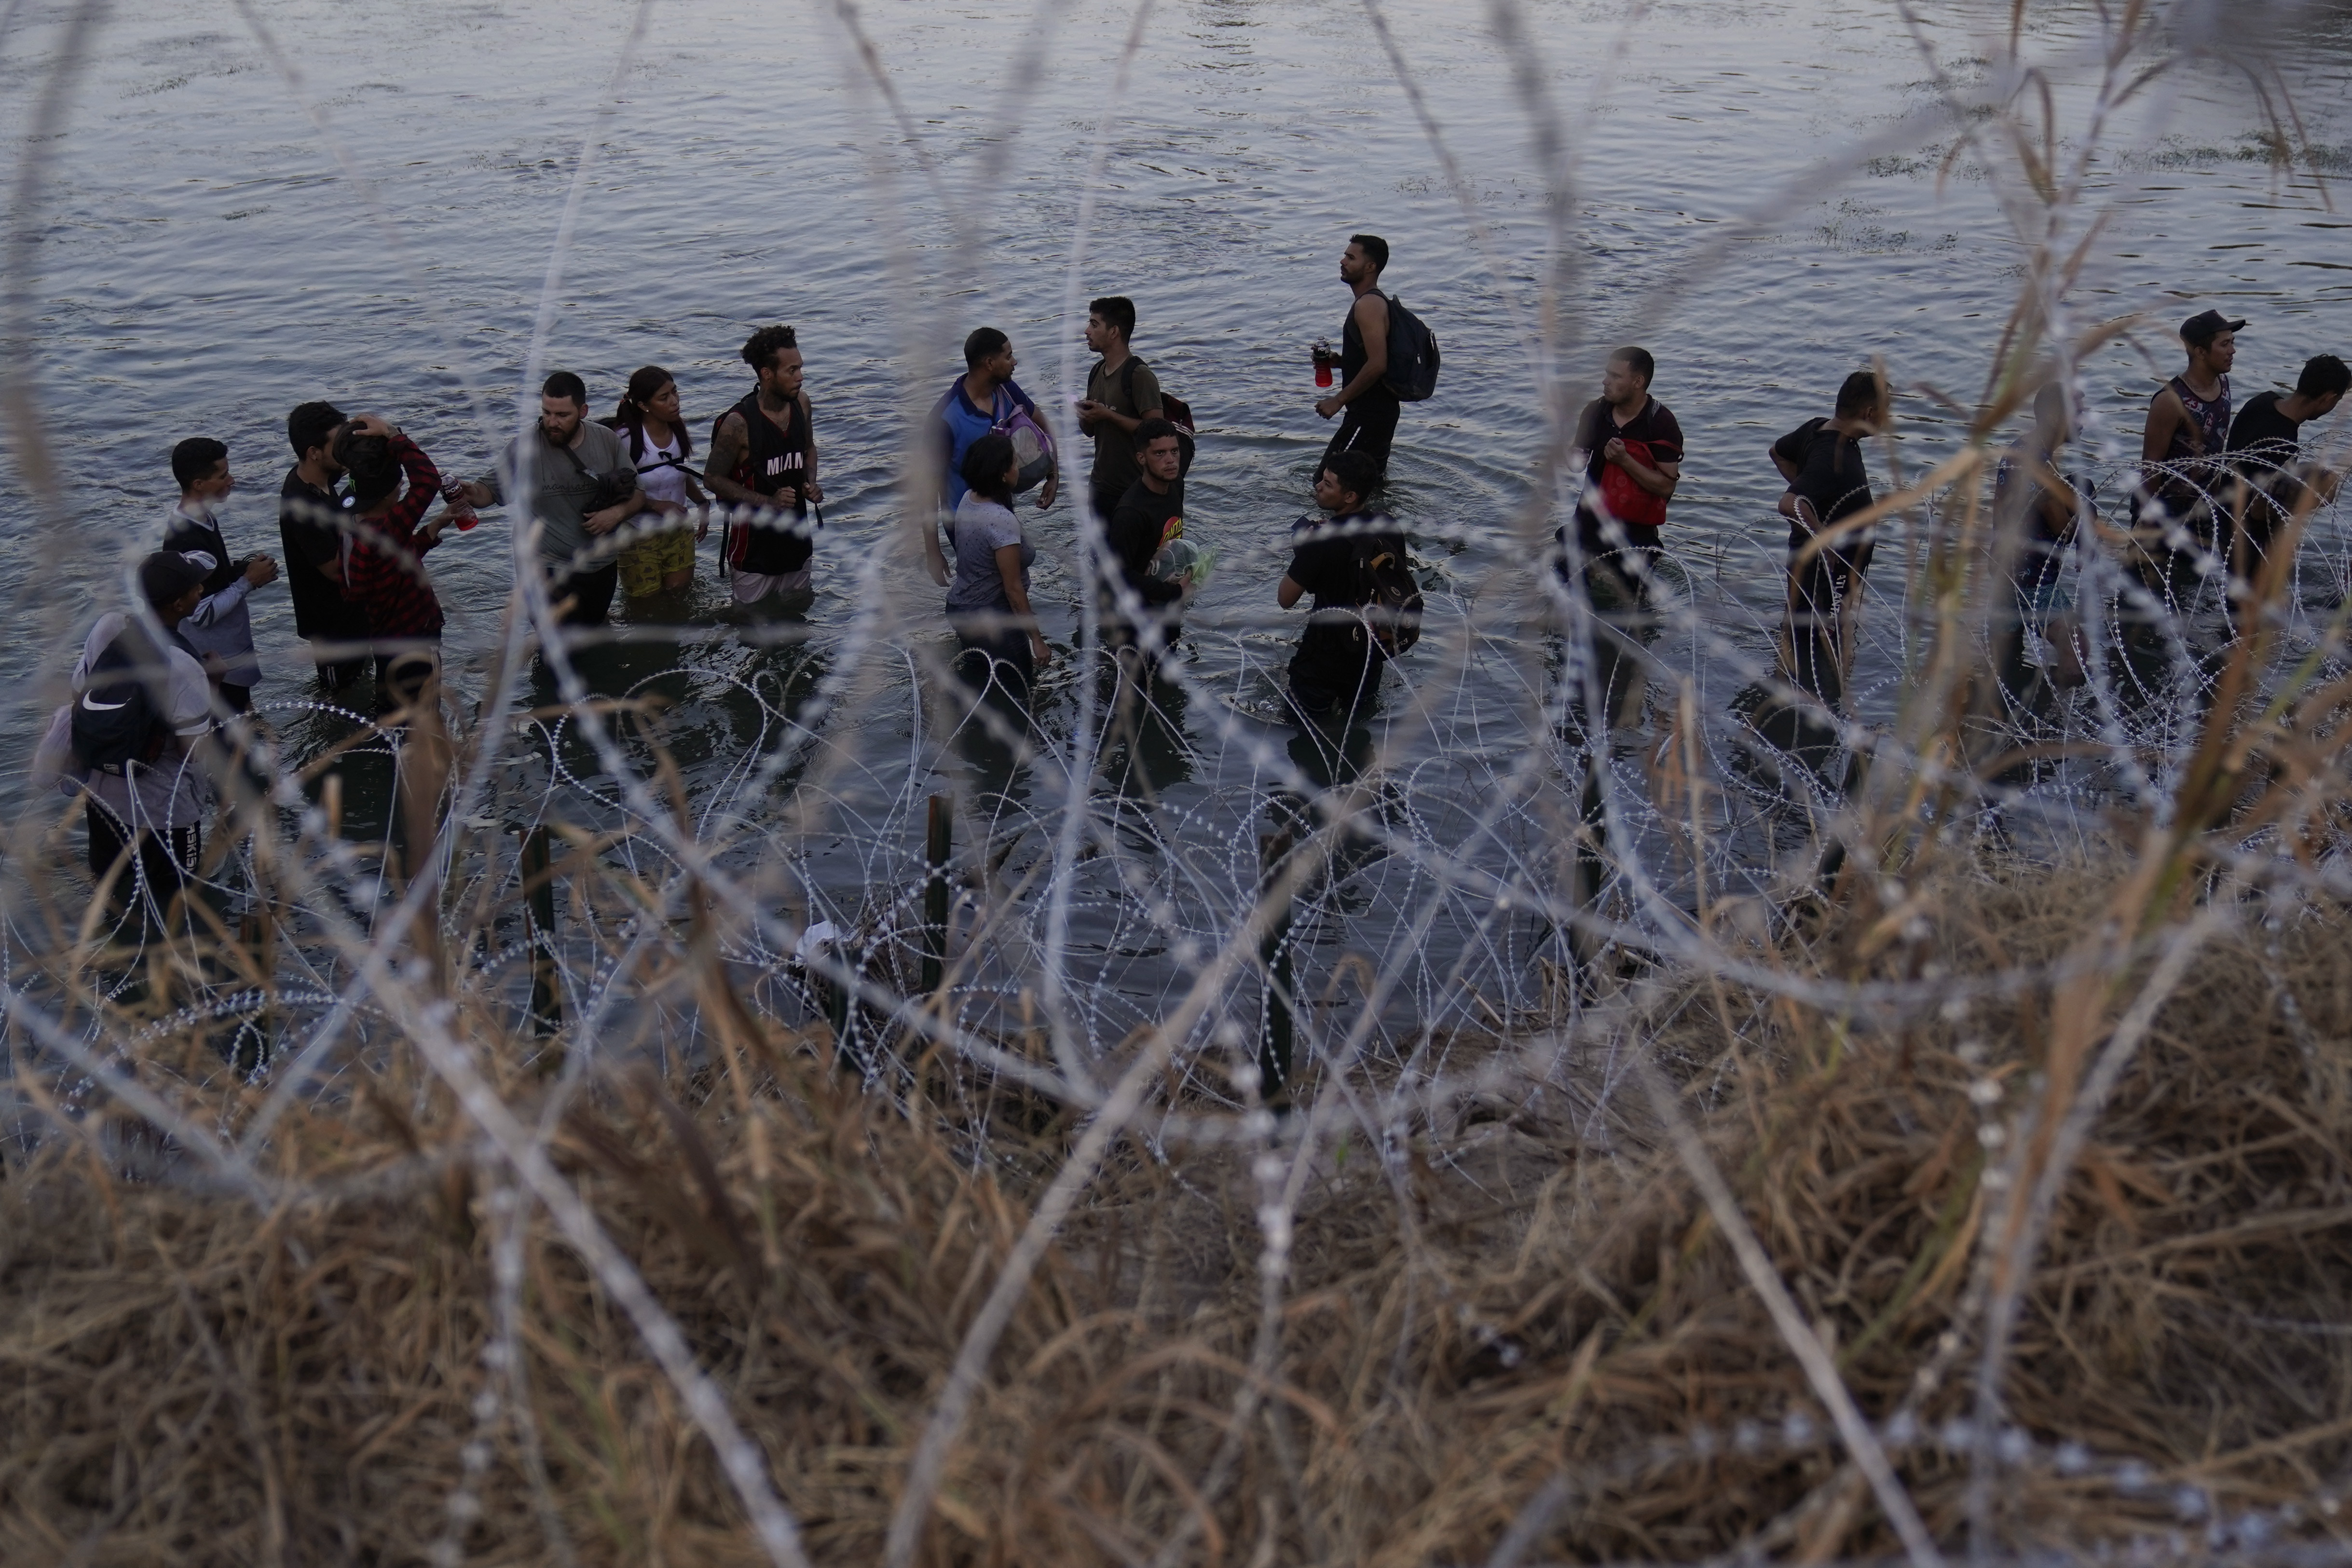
{"x":619,"y":507}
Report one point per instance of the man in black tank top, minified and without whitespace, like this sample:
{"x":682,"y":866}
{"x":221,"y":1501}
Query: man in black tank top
{"x":763,"y":457}
{"x":1371,"y":408}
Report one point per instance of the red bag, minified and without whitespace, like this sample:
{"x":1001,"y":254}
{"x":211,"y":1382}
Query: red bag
{"x":1627,"y":501}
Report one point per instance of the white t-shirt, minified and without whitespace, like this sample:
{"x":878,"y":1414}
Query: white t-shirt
{"x":172,"y":794}
{"x":659,"y":473}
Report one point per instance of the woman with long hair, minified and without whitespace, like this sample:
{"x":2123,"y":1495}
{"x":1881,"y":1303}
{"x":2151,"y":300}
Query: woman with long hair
{"x":659,"y":444}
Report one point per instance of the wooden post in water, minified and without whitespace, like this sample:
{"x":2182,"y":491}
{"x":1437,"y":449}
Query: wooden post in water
{"x":1274,"y":952}
{"x":539,"y":930}
{"x":939,"y":845}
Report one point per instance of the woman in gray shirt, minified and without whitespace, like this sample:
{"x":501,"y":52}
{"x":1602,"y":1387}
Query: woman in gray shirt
{"x":988,"y":595}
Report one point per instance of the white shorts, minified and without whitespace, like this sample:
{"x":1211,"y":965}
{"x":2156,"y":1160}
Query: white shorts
{"x":750,"y":587}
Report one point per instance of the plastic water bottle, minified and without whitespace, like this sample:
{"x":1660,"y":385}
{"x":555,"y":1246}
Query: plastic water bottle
{"x":1323,"y":362}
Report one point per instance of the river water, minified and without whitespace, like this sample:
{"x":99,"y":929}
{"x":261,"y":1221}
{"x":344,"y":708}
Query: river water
{"x":367,"y":206}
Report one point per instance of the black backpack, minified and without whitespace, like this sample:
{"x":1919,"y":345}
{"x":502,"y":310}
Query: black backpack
{"x":1388,"y":594}
{"x":1413,"y":354}
{"x":1174,"y":409}
{"x":117,"y":722}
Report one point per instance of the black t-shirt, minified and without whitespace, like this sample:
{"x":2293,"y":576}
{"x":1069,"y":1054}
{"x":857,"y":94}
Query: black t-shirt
{"x":1334,"y":653}
{"x":321,"y":610}
{"x":1594,"y":429}
{"x":2267,"y":435}
{"x":1830,"y":475}
{"x":1138,"y":526}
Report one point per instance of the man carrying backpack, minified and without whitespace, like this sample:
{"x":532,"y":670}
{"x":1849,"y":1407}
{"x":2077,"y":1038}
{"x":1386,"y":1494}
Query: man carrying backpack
{"x":986,"y":399}
{"x":1366,"y":604}
{"x":1121,"y":393}
{"x":1370,"y":422}
{"x":763,"y":456}
{"x":126,"y":743}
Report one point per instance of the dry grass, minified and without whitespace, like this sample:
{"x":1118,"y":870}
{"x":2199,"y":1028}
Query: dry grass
{"x":1514,"y":1294}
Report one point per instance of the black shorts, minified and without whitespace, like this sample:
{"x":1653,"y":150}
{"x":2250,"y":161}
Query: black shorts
{"x":1368,"y":425}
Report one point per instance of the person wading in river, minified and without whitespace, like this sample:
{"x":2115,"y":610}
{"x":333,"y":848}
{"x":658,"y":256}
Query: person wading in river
{"x":1121,"y":393}
{"x":309,"y":514}
{"x":2180,"y":450}
{"x":659,"y":446}
{"x":1371,"y":409}
{"x":763,"y":456}
{"x":1630,"y":449}
{"x":1821,"y":460}
{"x":582,"y":487}
{"x":220,"y":628}
{"x":2266,"y":449}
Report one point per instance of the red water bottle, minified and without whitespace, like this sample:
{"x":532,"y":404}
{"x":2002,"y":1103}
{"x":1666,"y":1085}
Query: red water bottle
{"x":461,"y":510}
{"x":1323,"y":362}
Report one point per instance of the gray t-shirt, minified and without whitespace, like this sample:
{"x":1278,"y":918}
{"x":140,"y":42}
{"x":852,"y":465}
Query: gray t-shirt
{"x":560,"y":491}
{"x":981,"y":528}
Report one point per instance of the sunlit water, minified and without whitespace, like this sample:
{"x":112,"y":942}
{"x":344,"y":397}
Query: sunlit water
{"x":1760,"y":194}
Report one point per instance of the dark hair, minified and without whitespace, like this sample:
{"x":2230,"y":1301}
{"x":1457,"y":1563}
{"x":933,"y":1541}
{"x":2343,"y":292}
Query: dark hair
{"x":1639,"y":359}
{"x":2321,"y":375}
{"x":1117,"y":310}
{"x":760,"y":348}
{"x":985,"y":343}
{"x":984,"y":466}
{"x":564,"y":384}
{"x":1152,"y":430}
{"x":374,"y":472}
{"x":643,"y":386}
{"x":1375,"y":249}
{"x":1859,"y":394}
{"x":165,"y":577}
{"x":1357,"y":473}
{"x":311,"y":425}
{"x":193,"y":460}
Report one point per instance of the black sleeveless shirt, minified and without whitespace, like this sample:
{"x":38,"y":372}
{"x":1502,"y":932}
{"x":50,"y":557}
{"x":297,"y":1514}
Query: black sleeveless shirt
{"x":1352,"y":355}
{"x":775,"y":458}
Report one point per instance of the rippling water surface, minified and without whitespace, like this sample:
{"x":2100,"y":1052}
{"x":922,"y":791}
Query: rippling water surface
{"x":368,"y":209}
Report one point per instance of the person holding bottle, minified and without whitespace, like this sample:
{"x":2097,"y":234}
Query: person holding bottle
{"x":1371,"y":409}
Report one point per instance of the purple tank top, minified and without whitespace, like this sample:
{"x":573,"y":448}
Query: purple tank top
{"x":2210,"y":417}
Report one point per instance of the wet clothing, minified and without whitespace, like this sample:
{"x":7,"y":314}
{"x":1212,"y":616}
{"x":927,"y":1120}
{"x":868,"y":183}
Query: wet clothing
{"x":963,"y":422}
{"x":1337,"y":664}
{"x":1132,"y":390}
{"x":2265,"y":434}
{"x":661,"y":469}
{"x":2267,"y":446}
{"x":981,"y":528}
{"x":775,"y":458}
{"x":1368,"y":423}
{"x":170,"y":792}
{"x":2036,"y":566}
{"x":383,"y":569}
{"x":221,"y":624}
{"x":1831,"y":479}
{"x":646,"y":565}
{"x":1655,"y":426}
{"x":563,"y":481}
{"x":1139,"y":525}
{"x":322,"y":614}
{"x":2192,"y":459}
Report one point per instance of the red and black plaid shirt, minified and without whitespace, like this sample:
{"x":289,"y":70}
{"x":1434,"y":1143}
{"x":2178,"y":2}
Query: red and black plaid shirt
{"x":381,"y":573}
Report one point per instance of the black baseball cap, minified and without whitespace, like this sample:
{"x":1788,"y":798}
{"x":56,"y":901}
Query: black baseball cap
{"x":2207,"y":325}
{"x":166,"y":575}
